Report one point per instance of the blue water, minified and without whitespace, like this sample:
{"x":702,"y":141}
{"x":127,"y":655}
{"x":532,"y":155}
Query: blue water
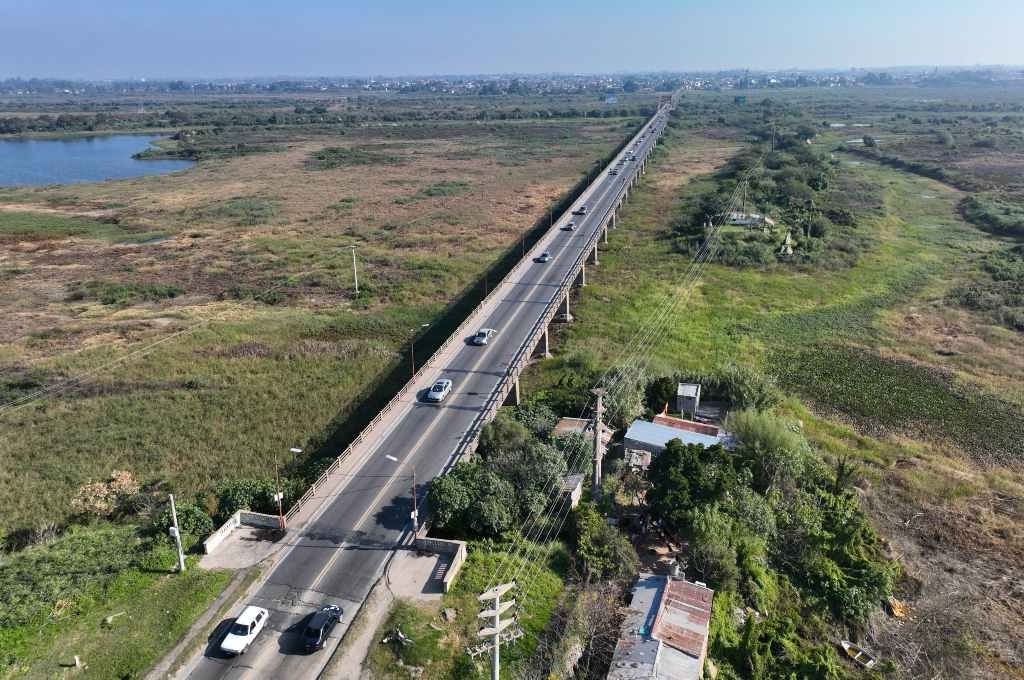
{"x":78,"y":159}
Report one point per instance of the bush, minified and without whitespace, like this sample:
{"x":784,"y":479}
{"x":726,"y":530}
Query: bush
{"x":471,"y":500}
{"x":994,"y":214}
{"x":253,"y":494}
{"x":192,"y":520}
{"x":605,"y":552}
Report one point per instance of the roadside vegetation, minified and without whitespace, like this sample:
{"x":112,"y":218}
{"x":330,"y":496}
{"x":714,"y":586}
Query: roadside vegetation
{"x":188,"y":330}
{"x":903,"y":406}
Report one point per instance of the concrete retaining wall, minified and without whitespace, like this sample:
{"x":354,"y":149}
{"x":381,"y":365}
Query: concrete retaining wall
{"x":457,"y":549}
{"x":246,"y":517}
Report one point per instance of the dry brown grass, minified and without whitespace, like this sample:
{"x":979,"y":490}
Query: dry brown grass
{"x":205,"y":253}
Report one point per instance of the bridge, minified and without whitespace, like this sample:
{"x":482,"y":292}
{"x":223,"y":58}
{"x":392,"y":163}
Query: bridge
{"x":344,"y":529}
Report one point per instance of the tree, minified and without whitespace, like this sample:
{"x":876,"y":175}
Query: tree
{"x":605,"y":551}
{"x":869,"y":141}
{"x":625,"y":401}
{"x":661,"y":391}
{"x":472,"y":500}
{"x":534,"y":470}
{"x":775,"y":454}
{"x":504,"y":433}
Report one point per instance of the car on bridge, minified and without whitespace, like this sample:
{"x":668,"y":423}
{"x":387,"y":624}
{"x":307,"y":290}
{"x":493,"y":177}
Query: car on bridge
{"x":543,"y":258}
{"x":439,"y":391}
{"x":483,"y":335}
{"x":244,"y":630}
{"x":569,"y":226}
{"x":320,"y":626}
{"x":582,"y":210}
{"x":613,"y":173}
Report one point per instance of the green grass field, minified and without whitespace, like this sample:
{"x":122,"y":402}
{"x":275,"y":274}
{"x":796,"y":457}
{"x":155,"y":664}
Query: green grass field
{"x":786,"y":320}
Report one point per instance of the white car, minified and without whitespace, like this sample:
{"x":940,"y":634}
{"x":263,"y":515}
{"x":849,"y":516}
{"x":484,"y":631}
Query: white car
{"x":569,"y":226}
{"x":543,"y":257}
{"x":244,"y":630}
{"x":441,"y":389}
{"x":483,"y":335}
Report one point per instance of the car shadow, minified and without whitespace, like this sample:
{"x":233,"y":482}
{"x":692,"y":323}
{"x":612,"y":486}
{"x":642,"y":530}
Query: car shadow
{"x":213,"y":650}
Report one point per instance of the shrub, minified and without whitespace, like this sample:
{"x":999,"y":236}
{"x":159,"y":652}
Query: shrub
{"x":471,"y":500}
{"x":994,"y":214}
{"x":605,"y":552}
{"x":192,"y":520}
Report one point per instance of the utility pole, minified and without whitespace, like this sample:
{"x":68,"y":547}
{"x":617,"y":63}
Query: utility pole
{"x":415,"y":512}
{"x":498,"y":626}
{"x":175,"y":532}
{"x":595,"y":487}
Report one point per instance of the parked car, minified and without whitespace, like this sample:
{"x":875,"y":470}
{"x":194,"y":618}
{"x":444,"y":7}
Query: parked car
{"x":244,"y":630}
{"x":483,"y":335}
{"x":320,"y":627}
{"x":543,"y":257}
{"x":569,"y":226}
{"x":441,"y":389}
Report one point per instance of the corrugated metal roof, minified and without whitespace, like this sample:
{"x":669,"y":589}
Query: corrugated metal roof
{"x":682,"y":621}
{"x":664,"y":631}
{"x":660,"y":435}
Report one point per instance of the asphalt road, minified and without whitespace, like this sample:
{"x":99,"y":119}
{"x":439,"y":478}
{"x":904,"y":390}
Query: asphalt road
{"x":341,"y":553}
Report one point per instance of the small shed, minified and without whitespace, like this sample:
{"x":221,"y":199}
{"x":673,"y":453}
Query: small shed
{"x":688,"y":398}
{"x":572,"y":488}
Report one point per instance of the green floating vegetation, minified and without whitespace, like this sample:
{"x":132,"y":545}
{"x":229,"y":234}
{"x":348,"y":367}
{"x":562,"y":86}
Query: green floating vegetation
{"x":889,"y":394}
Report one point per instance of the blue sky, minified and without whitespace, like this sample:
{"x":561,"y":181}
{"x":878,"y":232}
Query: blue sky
{"x":226,"y":38}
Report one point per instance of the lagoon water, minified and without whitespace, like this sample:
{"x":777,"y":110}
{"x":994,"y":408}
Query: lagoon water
{"x":78,"y":159}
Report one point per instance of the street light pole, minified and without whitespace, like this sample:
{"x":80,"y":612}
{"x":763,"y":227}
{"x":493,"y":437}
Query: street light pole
{"x":278,"y":496}
{"x":175,"y":532}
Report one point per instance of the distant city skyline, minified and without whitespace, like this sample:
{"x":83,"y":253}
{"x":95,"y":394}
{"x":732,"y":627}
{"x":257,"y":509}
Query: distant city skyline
{"x":234,"y":39}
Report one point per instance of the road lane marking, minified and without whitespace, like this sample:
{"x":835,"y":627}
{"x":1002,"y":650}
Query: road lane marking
{"x":390,"y":457}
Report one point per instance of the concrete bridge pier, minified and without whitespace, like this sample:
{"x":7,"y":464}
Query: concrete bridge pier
{"x":593,"y":255}
{"x":513,"y":396}
{"x":543,"y":348}
{"x":563,"y":313}
{"x":581,"y":278}
{"x":604,"y":231}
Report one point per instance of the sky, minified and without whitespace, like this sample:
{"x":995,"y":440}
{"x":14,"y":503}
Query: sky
{"x":100,"y":39}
